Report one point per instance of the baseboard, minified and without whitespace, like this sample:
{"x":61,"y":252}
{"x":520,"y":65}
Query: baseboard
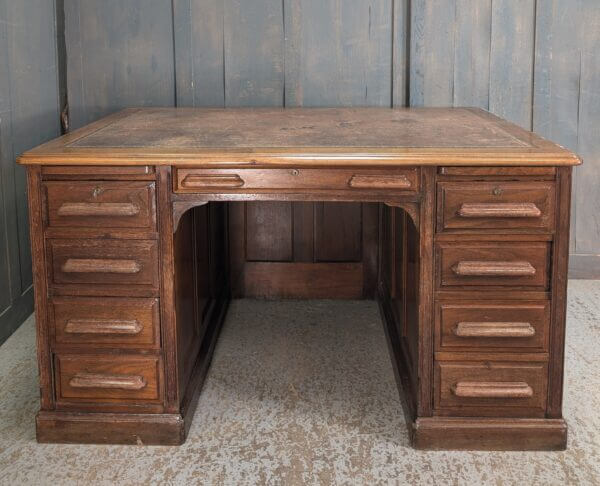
{"x":584,"y":267}
{"x":12,"y":318}
{"x":110,"y":428}
{"x":480,"y":434}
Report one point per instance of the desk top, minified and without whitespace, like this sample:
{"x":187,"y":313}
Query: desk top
{"x":300,"y":136}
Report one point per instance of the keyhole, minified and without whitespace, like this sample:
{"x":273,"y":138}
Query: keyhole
{"x":97,"y":191}
{"x":295,"y":172}
{"x":497,"y":191}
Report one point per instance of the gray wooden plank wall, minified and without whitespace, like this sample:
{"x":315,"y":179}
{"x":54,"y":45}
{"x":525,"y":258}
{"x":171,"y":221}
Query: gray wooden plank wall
{"x":535,"y":62}
{"x":29,"y":115}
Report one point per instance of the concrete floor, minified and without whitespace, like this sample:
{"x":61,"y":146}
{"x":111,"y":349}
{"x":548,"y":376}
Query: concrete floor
{"x":303,"y":393}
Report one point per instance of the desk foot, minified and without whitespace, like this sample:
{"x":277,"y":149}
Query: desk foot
{"x":481,"y":434}
{"x":110,"y":428}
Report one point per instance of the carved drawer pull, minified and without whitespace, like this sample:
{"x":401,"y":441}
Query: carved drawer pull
{"x":196,"y":181}
{"x":98,"y":209}
{"x":474,"y":389}
{"x":93,"y":380}
{"x":92,"y":265}
{"x":493,"y":269}
{"x":380,"y":181}
{"x":103,"y":326}
{"x":499,"y":210}
{"x":494,"y":330}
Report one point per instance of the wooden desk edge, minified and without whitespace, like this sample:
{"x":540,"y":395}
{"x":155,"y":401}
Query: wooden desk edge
{"x":314,"y":159}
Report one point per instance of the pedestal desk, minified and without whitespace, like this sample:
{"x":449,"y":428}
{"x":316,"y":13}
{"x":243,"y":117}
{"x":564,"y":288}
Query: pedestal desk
{"x":143,"y":225}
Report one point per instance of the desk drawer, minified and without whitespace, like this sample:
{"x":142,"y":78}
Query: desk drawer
{"x":106,"y":322}
{"x":481,"y":326}
{"x":496,"y":205}
{"x":493,"y":388}
{"x":101,"y":204}
{"x":103,"y":262}
{"x":493,"y":264}
{"x":108,"y":378}
{"x":393,"y":180}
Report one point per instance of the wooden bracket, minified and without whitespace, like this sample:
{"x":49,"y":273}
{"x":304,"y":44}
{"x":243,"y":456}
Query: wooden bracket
{"x":180,"y":207}
{"x":411,"y":208}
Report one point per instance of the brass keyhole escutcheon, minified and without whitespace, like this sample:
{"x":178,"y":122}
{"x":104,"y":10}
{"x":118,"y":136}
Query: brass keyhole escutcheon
{"x":295,"y":172}
{"x":97,"y":191}
{"x":497,"y":191}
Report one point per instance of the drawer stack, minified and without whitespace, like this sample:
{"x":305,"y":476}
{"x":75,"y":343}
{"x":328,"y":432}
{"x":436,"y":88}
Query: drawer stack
{"x":101,"y":245}
{"x":493,"y":250}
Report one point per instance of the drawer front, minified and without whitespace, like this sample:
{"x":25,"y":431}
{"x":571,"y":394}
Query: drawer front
{"x":496,"y":205}
{"x":103,"y":262}
{"x":491,"y":388}
{"x":493,"y":264}
{"x":108,"y":378}
{"x":101,"y":204}
{"x":105,"y":322}
{"x":93,"y":172}
{"x":403,"y":180}
{"x":479,"y":326}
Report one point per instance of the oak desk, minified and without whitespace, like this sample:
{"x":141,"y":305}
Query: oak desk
{"x":145,"y":223}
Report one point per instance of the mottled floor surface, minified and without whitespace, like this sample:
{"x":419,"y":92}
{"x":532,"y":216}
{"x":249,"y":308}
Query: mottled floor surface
{"x":303,"y":393}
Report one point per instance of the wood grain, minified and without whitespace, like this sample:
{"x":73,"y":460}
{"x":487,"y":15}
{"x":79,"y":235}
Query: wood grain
{"x":100,"y":204}
{"x":511,"y":60}
{"x":108,"y":379}
{"x":338,"y":53}
{"x":587,"y":180}
{"x":494,"y":329}
{"x":493,"y":269}
{"x":472,"y":46}
{"x":432,"y":53}
{"x":138,"y":33}
{"x":511,"y":206}
{"x":122,"y":323}
{"x":199,"y":52}
{"x":493,"y":264}
{"x":441,"y":433}
{"x":36,"y":228}
{"x":470,"y":314}
{"x":100,"y":265}
{"x":504,"y":389}
{"x":121,"y":382}
{"x":29,"y":109}
{"x":367,"y":137}
{"x":499,"y":210}
{"x":492,"y":325}
{"x":492,"y":389}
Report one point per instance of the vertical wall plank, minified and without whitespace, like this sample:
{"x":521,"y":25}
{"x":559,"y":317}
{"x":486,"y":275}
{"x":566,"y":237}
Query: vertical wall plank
{"x":401,"y":50}
{"x":119,"y":54}
{"x":432,"y":52}
{"x":472,"y":53}
{"x":198,"y":33}
{"x":338,"y":232}
{"x":269,"y":231}
{"x":34,"y":98}
{"x":253,"y":46}
{"x":338,"y":52}
{"x":557,"y":76}
{"x":5,"y":288}
{"x":9,"y":243}
{"x":511,"y":63}
{"x":29,"y":115}
{"x":588,"y":176}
